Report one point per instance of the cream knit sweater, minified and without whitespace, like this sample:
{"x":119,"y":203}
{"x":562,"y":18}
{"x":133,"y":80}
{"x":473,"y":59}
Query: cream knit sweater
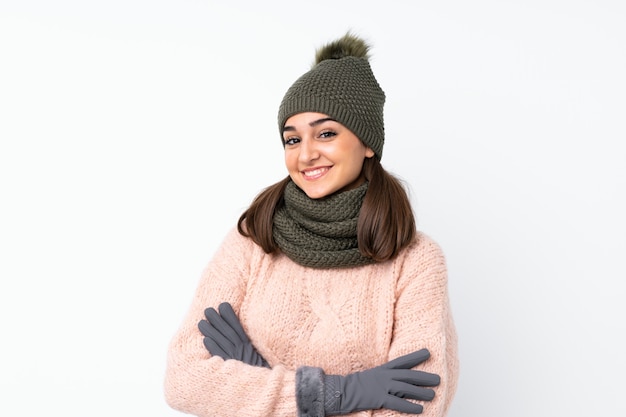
{"x":342,"y":320}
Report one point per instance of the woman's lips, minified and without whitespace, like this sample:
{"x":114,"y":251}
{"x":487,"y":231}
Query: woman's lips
{"x":315,"y":173}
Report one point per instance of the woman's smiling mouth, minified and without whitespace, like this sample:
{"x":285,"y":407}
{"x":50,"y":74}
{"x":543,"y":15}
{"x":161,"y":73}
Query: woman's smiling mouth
{"x":315,"y":173}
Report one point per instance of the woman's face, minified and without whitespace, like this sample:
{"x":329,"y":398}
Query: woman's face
{"x":323,"y":156}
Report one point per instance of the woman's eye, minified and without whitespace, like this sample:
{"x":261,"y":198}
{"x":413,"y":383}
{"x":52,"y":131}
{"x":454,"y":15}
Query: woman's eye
{"x":291,"y":141}
{"x":327,"y":134}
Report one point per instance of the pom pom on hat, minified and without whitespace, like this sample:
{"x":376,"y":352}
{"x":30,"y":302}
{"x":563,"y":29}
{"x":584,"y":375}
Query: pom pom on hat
{"x":348,"y":45}
{"x":342,"y":85}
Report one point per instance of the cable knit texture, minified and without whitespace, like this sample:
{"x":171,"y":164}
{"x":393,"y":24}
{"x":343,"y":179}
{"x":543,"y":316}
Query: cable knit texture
{"x":340,"y":320}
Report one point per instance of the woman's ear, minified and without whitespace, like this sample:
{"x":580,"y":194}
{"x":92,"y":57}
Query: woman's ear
{"x":369,"y":152}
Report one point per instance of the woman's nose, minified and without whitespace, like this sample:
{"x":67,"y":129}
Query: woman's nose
{"x":308,"y":150}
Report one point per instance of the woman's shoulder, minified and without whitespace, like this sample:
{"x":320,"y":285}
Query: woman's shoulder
{"x":423,"y":258}
{"x":234,"y":240}
{"x":423,"y":254}
{"x":236,"y":252}
{"x":424,"y":244}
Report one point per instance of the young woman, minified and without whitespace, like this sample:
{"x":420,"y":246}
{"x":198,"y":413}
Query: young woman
{"x":325,"y":299}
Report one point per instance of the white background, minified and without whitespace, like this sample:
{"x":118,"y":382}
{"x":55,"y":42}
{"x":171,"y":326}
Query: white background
{"x":134,"y":132}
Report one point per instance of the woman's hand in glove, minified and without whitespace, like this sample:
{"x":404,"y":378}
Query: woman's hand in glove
{"x":224,"y":336}
{"x":385,"y":386}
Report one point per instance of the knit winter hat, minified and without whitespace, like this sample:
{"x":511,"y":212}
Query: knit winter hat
{"x":342,"y":85}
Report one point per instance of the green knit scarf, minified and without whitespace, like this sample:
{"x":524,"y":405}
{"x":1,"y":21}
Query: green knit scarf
{"x":320,"y":233}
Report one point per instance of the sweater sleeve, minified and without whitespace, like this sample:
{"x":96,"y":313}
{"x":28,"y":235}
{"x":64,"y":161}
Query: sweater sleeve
{"x":423,"y":319}
{"x":199,"y":384}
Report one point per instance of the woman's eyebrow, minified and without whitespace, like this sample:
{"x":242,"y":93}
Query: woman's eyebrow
{"x":312,"y":124}
{"x":320,"y":121}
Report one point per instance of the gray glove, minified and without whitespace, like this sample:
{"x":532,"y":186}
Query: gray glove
{"x":224,"y":336}
{"x":385,"y":386}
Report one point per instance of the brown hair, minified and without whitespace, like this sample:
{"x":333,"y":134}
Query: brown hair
{"x":386,"y":222}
